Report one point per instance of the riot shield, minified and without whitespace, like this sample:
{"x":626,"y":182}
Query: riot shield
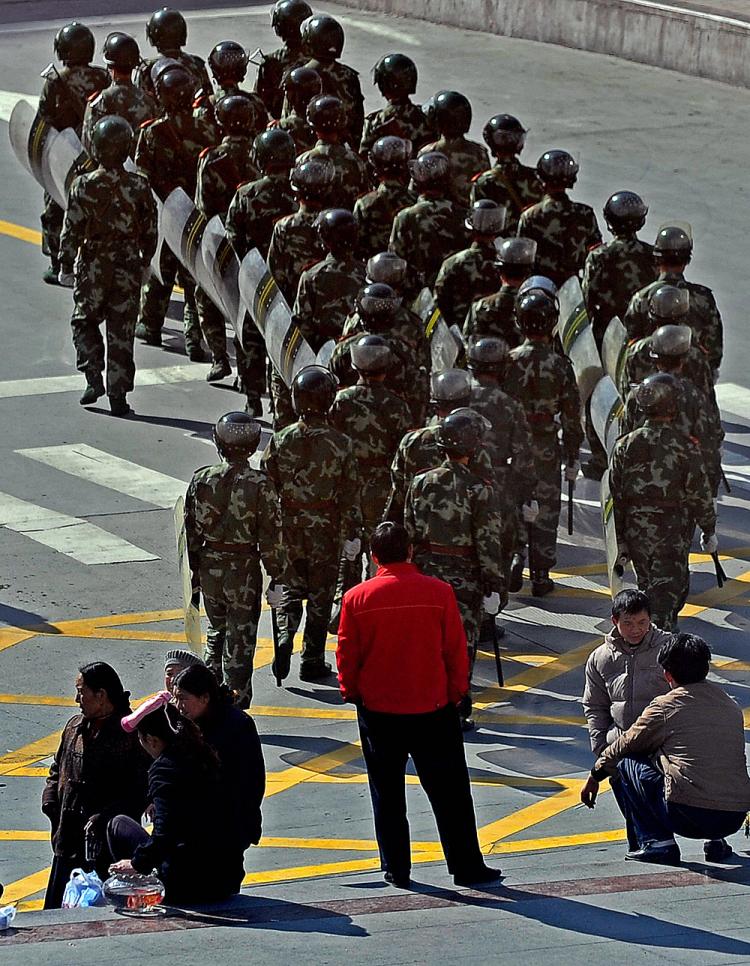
{"x":577,"y":338}
{"x":443,"y":347}
{"x":615,"y":350}
{"x":29,"y":134}
{"x":65,"y":160}
{"x":222,"y":262}
{"x":606,"y":413}
{"x":192,"y":614}
{"x":183,"y":226}
{"x":323,"y":358}
{"x":614,"y":572}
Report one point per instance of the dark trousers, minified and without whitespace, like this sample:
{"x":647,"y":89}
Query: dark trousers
{"x":124,"y":835}
{"x":656,"y":820}
{"x":435,"y":743}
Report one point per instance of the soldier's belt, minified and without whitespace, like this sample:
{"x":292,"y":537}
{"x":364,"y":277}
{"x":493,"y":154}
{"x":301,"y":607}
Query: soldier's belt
{"x":539,"y":419}
{"x":245,"y":549}
{"x":647,"y":502}
{"x":295,"y":505}
{"x":448,"y":551}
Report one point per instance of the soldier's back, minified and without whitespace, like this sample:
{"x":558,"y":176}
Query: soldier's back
{"x":350,"y":173}
{"x":405,"y":120}
{"x":221,"y":169}
{"x":510,"y":184}
{"x":442,"y":502}
{"x":125,"y":100}
{"x":65,"y":95}
{"x":254,"y":210}
{"x":537,"y":376}
{"x":300,"y":131}
{"x":375,"y":210}
{"x":494,"y":315}
{"x":227,"y":501}
{"x":462,"y":275}
{"x":295,"y":244}
{"x":613,"y":273}
{"x":467,"y":159}
{"x":565,"y":231}
{"x":426,"y":233}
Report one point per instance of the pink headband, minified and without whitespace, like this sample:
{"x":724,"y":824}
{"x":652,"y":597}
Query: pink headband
{"x":131,"y":721}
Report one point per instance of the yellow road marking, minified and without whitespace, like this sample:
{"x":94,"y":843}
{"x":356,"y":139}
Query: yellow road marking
{"x":23,"y":835}
{"x":277,"y":782}
{"x":30,"y":235}
{"x":29,"y":885}
{"x":569,"y":795}
{"x":29,"y":754}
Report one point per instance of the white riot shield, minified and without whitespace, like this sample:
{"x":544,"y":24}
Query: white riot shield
{"x":29,"y":134}
{"x":443,"y":346}
{"x":65,"y":160}
{"x":606,"y":412}
{"x":614,"y":572}
{"x":323,"y":358}
{"x":192,"y":614}
{"x":615,"y":350}
{"x":577,"y":338}
{"x":260,"y":295}
{"x":183,"y":226}
{"x":222,"y":262}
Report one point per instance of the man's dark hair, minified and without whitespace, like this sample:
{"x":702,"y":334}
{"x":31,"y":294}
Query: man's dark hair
{"x":630,"y":602}
{"x":687,"y":657}
{"x":102,"y":677}
{"x":390,"y":543}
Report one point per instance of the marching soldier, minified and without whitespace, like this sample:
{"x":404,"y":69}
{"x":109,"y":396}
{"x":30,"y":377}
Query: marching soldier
{"x":565,"y":231}
{"x":228,"y":62}
{"x":108,"y":239}
{"x":660,"y":489}
{"x":451,"y":114}
{"x":313,"y":468}
{"x":286,"y":18}
{"x":495,"y":315}
{"x":167,"y":32}
{"x":376,"y":209}
{"x":326,"y":115}
{"x":232,"y":522}
{"x":508,"y":182}
{"x":301,"y":86}
{"x":62,"y":104}
{"x":542,"y":380}
{"x":395,"y":76}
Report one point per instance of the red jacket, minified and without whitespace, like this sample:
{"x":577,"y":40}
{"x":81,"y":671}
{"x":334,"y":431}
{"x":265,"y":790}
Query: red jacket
{"x":402,"y":646}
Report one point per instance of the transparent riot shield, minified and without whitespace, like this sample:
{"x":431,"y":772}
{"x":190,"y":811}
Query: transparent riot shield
{"x":443,"y":347}
{"x":577,"y":338}
{"x":615,"y":350}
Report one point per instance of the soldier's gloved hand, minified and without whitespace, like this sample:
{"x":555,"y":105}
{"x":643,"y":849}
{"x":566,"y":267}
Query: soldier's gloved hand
{"x":275,"y":594}
{"x":530,"y":511}
{"x":709,"y":543}
{"x":352,"y":548}
{"x":491,"y":603}
{"x":66,"y":279}
{"x":572,"y":470}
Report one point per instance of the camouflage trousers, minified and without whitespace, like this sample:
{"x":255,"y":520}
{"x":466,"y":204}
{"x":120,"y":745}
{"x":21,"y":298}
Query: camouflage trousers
{"x":212,"y":325}
{"x":373,"y":497}
{"x":543,"y":550}
{"x":281,"y":400}
{"x":52,"y":218}
{"x":659,"y":547}
{"x":106,"y":292}
{"x":251,"y":362}
{"x":231,"y":589}
{"x":155,"y":299}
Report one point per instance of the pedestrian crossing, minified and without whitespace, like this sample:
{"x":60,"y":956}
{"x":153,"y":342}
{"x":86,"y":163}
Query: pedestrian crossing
{"x":48,"y":385}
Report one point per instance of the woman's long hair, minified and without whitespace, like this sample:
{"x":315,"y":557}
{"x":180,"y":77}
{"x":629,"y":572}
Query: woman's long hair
{"x":199,"y":680}
{"x":180,"y":735}
{"x":102,"y":677}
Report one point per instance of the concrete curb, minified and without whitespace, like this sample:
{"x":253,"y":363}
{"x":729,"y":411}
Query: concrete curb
{"x":691,"y":42}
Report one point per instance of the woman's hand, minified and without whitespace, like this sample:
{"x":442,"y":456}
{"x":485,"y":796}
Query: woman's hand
{"x":123,"y":866}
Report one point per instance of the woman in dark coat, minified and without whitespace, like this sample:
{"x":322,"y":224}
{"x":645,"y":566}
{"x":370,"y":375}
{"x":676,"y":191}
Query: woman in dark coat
{"x":99,"y":771}
{"x":233,"y":736}
{"x":190,"y":847}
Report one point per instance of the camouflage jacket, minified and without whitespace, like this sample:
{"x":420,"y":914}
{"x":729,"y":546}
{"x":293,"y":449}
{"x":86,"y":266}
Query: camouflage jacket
{"x":426,"y":233}
{"x":254,"y":210}
{"x":374,"y":213}
{"x":451,"y":507}
{"x":508,"y":444}
{"x":168,"y":150}
{"x":613,"y":273}
{"x":494,"y":315}
{"x":565,"y":231}
{"x":300,"y":131}
{"x":65,"y":94}
{"x":295,"y":244}
{"x":342,"y":81}
{"x":125,"y":100}
{"x":312,"y":466}
{"x":467,"y":159}
{"x":542,"y":380}
{"x":232,"y":503}
{"x":656,"y":473}
{"x":511,"y":184}
{"x":639,"y":364}
{"x":111,"y":215}
{"x":325,"y":298}
{"x":464,"y":276}
{"x":351,"y":177}
{"x":195,"y":65}
{"x":405,"y":120}
{"x":271,"y":72}
{"x":204,"y":108}
{"x":704,"y":318}
{"x":221,"y":170}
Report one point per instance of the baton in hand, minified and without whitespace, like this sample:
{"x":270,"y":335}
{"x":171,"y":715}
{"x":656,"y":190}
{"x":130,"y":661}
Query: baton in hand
{"x":725,"y":481}
{"x":721,"y":576}
{"x":275,"y":637}
{"x":571,"y":488}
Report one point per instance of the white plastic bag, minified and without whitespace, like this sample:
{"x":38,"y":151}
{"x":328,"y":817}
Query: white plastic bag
{"x":84,"y":889}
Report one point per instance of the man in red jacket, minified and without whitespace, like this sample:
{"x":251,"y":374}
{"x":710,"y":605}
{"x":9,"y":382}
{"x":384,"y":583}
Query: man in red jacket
{"x":403,"y":661}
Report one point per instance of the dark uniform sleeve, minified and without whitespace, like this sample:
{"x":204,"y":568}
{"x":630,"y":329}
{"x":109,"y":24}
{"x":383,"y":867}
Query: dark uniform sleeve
{"x":570,"y":415}
{"x":148,"y":225}
{"x":74,"y":227}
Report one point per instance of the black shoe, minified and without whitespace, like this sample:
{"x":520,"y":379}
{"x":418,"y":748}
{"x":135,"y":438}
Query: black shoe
{"x":593,"y":470}
{"x":662,"y":855}
{"x":467,"y":724}
{"x":717,"y":850}
{"x":195,"y":353}
{"x":91,"y":393}
{"x":280,"y":667}
{"x":254,"y":407}
{"x":314,"y":672}
{"x":149,"y":336}
{"x":483,"y":876}
{"x":218,"y":370}
{"x":515,"y":580}
{"x":119,"y":406}
{"x":541,"y":584}
{"x":50,"y":276}
{"x":399,"y":881}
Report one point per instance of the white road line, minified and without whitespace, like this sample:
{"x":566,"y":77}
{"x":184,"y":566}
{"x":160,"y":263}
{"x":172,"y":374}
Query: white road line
{"x":733,"y":398}
{"x":46,"y":385}
{"x":104,"y":469}
{"x":71,"y":536}
{"x":9,"y":99}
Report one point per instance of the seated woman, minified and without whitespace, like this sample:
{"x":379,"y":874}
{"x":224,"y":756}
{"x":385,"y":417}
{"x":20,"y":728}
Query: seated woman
{"x":233,"y":736}
{"x":191,"y":847}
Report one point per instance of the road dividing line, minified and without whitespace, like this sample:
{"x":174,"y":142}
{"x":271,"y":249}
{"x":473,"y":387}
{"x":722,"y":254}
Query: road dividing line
{"x":104,"y":469}
{"x":76,"y":538}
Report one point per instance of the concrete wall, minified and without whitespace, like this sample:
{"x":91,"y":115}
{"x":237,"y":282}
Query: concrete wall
{"x":699,"y":44}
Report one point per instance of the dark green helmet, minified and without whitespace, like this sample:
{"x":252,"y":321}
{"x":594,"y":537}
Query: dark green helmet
{"x":287,"y":17}
{"x":111,"y":141}
{"x":74,"y":44}
{"x":505,"y":134}
{"x":673,"y":244}
{"x":175,"y":89}
{"x":536,"y":313}
{"x":459,"y":434}
{"x":625,"y":211}
{"x":668,"y":304}
{"x":326,"y":113}
{"x":274,"y":148}
{"x":452,"y":113}
{"x":322,"y":37}
{"x":301,"y":85}
{"x":388,"y":268}
{"x":430,"y":170}
{"x":371,"y":354}
{"x":228,"y":62}
{"x":167,"y":29}
{"x":395,"y":75}
{"x":391,"y":154}
{"x":237,"y":434}
{"x":516,"y":254}
{"x":313,"y":391}
{"x":238,"y":114}
{"x":312,"y":179}
{"x":377,"y":304}
{"x":121,"y":51}
{"x":658,"y":394}
{"x":338,"y":229}
{"x":557,"y":168}
{"x":451,"y":388}
{"x":486,"y":217}
{"x":671,"y":341}
{"x":487,"y":354}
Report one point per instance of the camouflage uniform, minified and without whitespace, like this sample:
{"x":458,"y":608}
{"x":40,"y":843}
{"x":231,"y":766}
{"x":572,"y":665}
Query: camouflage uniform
{"x":405,"y":120}
{"x":462,"y":277}
{"x":660,"y":489}
{"x":313,"y":468}
{"x":232,"y":520}
{"x":194,"y":65}
{"x":254,"y":210}
{"x":110,"y":233}
{"x":494,"y":315}
{"x":511,"y":184}
{"x":124,"y":99}
{"x":613,"y":273}
{"x":467,"y":159}
{"x":542,"y":380}
{"x":204,"y":107}
{"x":565,"y":231}
{"x":325,"y":298}
{"x":375,"y":211}
{"x":302,"y":134}
{"x":351,"y":177}
{"x":342,"y":81}
{"x":271,"y":72}
{"x":703,"y":318}
{"x":62,"y":104}
{"x":426,"y":233}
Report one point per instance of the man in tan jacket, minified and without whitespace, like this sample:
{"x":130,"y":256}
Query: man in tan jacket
{"x":682,"y":765}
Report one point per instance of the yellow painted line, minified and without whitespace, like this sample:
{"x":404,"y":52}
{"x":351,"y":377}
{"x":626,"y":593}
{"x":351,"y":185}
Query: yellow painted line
{"x":30,"y":905}
{"x":497,"y":717}
{"x":312,"y":871}
{"x":13,"y":635}
{"x":28,"y":886}
{"x":559,"y":842}
{"x":732,"y":665}
{"x":341,"y":845}
{"x":278,"y":782}
{"x":30,"y":235}
{"x":331,"y":714}
{"x":37,"y":699}
{"x":29,"y":771}
{"x":29,"y":754}
{"x":23,"y":835}
{"x":533,"y":814}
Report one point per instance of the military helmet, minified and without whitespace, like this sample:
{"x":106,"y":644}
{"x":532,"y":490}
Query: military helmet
{"x":675,"y":243}
{"x":167,"y":29}
{"x":395,"y":74}
{"x":301,"y":85}
{"x":371,"y":354}
{"x":111,"y":141}
{"x":378,"y":303}
{"x":326,"y":113}
{"x":486,"y":217}
{"x":388,"y":268}
{"x":237,"y":433}
{"x":486,"y":354}
{"x":390,"y":152}
{"x":228,"y":61}
{"x":625,"y":211}
{"x":322,"y":37}
{"x":430,"y":168}
{"x":162,"y":64}
{"x":536,"y":313}
{"x":121,"y":51}
{"x":74,"y":44}
{"x":557,"y":168}
{"x":538,"y":283}
{"x":313,"y":178}
{"x":669,"y":302}
{"x":237,"y":114}
{"x":658,"y":394}
{"x":452,"y":113}
{"x":337,"y":228}
{"x":274,"y":147}
{"x":313,"y":390}
{"x":671,"y":340}
{"x":287,"y":16}
{"x":516,"y":253}
{"x":459,"y":434}
{"x":504,"y":132}
{"x":175,"y":88}
{"x":451,"y":386}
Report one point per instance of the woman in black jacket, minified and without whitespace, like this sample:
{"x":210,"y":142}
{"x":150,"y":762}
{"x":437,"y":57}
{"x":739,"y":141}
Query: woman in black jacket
{"x":190,"y":847}
{"x":233,"y":736}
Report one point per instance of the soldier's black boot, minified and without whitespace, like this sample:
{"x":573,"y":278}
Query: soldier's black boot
{"x":541,"y":583}
{"x":50,"y":276}
{"x":515,"y":579}
{"x":148,"y":335}
{"x":94,"y":389}
{"x":219,"y":370}
{"x":119,"y":405}
{"x":288,"y":619}
{"x":313,"y":666}
{"x":254,"y":406}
